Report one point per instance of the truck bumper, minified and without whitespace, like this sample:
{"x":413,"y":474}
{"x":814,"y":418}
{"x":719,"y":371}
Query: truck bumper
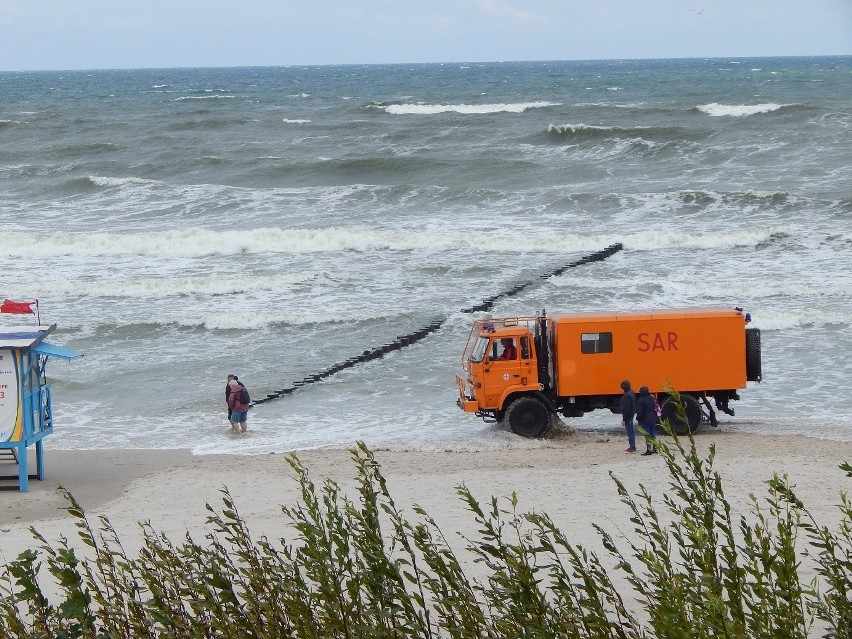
{"x":467,"y":404}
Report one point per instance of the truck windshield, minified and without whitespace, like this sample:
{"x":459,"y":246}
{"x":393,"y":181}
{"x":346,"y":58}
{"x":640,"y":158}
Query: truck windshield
{"x":479,"y":349}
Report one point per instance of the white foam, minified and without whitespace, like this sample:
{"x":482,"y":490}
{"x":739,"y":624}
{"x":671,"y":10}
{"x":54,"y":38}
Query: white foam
{"x":195,"y":242}
{"x":114,"y":181}
{"x":166,"y":286}
{"x":810,"y":318}
{"x":251,"y":320}
{"x":685,"y":287}
{"x":289,"y":121}
{"x":224,"y":319}
{"x":653,"y":240}
{"x":564,"y":129}
{"x":739,"y":110}
{"x":763,"y":291}
{"x":467,"y":109}
{"x":203,"y":97}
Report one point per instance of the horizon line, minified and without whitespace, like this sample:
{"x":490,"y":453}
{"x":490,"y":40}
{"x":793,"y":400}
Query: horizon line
{"x":440,"y":62}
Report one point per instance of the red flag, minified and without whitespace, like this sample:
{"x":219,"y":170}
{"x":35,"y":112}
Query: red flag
{"x":19,"y":308}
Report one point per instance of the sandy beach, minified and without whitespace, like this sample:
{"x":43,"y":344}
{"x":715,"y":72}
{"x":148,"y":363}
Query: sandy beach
{"x":567,"y":477}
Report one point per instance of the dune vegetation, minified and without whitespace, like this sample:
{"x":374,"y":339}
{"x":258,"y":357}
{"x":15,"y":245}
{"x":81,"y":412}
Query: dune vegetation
{"x":356,"y":567}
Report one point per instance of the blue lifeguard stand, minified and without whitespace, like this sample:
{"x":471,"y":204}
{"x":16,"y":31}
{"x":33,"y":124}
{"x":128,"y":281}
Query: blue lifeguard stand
{"x":26,"y":413}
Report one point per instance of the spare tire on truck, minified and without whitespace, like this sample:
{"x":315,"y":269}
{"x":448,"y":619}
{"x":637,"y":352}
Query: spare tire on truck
{"x":527,"y":417}
{"x":692,"y":410}
{"x":753,"y":366}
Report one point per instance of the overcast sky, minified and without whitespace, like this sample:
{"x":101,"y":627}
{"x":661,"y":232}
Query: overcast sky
{"x":98,"y":34}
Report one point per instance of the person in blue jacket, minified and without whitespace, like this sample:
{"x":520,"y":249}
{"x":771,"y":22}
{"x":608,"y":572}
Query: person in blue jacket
{"x":646,"y":416}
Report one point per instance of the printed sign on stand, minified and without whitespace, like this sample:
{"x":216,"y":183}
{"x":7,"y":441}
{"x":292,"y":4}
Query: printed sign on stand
{"x":10,"y":406}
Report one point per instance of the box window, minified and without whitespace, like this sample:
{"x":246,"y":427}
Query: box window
{"x":596,"y":343}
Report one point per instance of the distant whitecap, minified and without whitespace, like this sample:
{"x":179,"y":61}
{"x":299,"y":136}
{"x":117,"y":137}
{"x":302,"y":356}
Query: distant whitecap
{"x":739,"y":110}
{"x":466,"y":109}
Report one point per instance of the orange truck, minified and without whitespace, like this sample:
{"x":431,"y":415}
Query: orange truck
{"x":526,"y":371}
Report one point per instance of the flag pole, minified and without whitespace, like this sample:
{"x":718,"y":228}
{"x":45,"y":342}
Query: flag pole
{"x":38,"y":315}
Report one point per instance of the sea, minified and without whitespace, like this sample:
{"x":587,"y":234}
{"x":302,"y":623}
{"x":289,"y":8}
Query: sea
{"x":178,"y":225}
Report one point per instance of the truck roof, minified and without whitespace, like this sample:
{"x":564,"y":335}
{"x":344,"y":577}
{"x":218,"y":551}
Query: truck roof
{"x":662,"y":313}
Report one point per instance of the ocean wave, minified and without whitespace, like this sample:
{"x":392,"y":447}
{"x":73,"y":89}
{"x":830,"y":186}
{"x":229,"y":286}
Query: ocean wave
{"x":733,"y":290}
{"x":593,"y":132}
{"x":77,"y":150}
{"x":655,"y":240}
{"x":203,"y":97}
{"x":811,"y":318}
{"x":91,"y":184}
{"x":768,"y":204}
{"x":747,"y":196}
{"x":296,"y":121}
{"x":208,"y":123}
{"x":227,"y":321}
{"x":164,"y":286}
{"x":104,"y":181}
{"x":740,"y":110}
{"x":194,"y":242}
{"x":78,"y":185}
{"x":466,"y":109}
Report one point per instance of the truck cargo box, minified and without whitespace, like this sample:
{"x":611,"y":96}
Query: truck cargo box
{"x":687,"y":349}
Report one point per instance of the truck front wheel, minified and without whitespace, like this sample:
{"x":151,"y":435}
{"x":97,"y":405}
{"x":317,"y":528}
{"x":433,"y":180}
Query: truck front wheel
{"x":527,"y":417}
{"x":692,"y":411}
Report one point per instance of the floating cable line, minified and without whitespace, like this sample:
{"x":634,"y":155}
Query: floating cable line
{"x":411,"y":338}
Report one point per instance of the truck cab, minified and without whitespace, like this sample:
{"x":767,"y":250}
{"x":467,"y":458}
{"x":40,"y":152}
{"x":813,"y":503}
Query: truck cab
{"x":501,"y":363}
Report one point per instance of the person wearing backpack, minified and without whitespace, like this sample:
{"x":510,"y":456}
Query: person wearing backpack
{"x":228,"y":391}
{"x":238,"y":405}
{"x":646,"y":415}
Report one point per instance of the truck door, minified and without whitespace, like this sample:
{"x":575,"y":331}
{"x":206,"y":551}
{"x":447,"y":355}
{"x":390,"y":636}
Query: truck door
{"x":503,"y":368}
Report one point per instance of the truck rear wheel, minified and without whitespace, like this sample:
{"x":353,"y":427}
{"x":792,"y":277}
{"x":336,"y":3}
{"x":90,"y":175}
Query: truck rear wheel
{"x":693,"y":414}
{"x":527,"y":417}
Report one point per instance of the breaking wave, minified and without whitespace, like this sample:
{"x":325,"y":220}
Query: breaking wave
{"x":594,"y":132}
{"x":740,"y":110}
{"x":247,"y":321}
{"x":812,"y":318}
{"x":728,"y":290}
{"x":203,"y":97}
{"x":166,"y":286}
{"x":466,"y":109}
{"x":193,"y":242}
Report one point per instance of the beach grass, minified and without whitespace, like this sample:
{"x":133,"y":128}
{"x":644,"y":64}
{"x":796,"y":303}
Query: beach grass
{"x":357,"y":567}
